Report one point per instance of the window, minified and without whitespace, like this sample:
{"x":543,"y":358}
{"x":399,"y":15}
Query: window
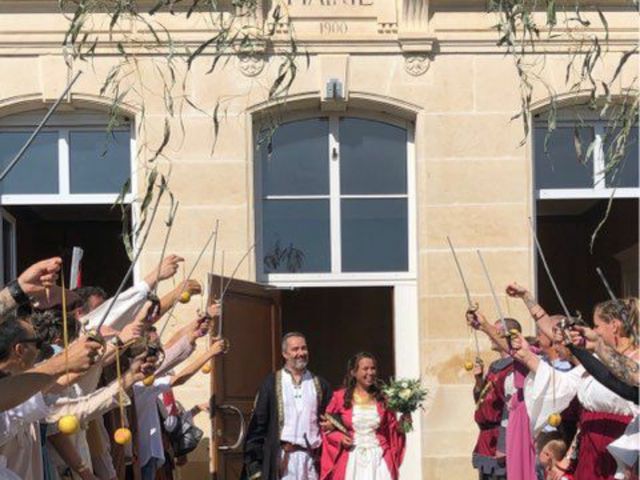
{"x":564,"y":171}
{"x":334,"y":197}
{"x":67,"y":163}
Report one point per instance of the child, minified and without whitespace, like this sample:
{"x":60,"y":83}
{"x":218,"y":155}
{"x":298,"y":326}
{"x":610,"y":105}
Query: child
{"x":552,"y":452}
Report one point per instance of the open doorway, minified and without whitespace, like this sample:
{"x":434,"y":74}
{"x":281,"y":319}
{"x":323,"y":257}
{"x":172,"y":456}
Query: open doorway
{"x":340,"y":322}
{"x":565,"y":228}
{"x":44,"y":231}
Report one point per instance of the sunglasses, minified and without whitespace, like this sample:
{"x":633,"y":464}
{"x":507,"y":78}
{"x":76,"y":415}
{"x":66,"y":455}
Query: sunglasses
{"x":38,"y":342}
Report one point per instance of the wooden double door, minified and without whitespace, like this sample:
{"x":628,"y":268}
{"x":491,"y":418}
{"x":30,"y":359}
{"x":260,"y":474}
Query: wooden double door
{"x":251,"y":322}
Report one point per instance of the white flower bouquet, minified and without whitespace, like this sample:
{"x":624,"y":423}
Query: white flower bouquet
{"x":405,"y":396}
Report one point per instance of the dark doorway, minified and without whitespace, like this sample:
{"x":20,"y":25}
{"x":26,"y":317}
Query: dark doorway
{"x":50,"y":230}
{"x":565,"y":228}
{"x":339,"y":322}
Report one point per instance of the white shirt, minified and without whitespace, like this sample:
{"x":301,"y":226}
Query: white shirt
{"x":124,"y":310}
{"x":149,"y":429}
{"x":593,"y":396}
{"x":300,"y":404}
{"x":20,"y":432}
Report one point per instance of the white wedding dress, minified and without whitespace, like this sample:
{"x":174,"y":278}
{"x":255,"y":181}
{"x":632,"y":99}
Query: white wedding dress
{"x":365,"y":460}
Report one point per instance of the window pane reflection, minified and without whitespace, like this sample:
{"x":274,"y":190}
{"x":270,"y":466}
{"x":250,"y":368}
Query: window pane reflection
{"x":560,"y":167}
{"x":373,"y":157}
{"x":296,"y":236}
{"x":295,"y":160}
{"x":99,"y":162}
{"x":374,"y":235}
{"x":37,"y":170}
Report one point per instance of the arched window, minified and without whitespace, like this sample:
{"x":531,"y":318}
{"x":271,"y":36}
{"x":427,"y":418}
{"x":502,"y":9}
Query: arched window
{"x":334,"y":197}
{"x":565,"y":166}
{"x":61,"y":191}
{"x":73,"y":160}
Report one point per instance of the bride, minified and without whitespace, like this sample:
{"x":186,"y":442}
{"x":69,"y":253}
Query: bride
{"x":362,"y":439}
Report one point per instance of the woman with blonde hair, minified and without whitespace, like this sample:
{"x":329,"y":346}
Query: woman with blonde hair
{"x":605,"y":415}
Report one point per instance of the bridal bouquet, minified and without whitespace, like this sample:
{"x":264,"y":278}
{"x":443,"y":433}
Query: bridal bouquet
{"x":405,"y":396}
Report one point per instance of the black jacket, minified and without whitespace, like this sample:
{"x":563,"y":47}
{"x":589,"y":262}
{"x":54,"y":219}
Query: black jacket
{"x":262,"y":441}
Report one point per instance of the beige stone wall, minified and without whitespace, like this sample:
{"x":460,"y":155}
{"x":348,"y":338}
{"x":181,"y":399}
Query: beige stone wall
{"x":473,"y":176}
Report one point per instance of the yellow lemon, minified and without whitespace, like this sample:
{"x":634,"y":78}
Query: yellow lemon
{"x":148,"y":381}
{"x":206,"y":368}
{"x":468,"y":365}
{"x":513,"y":332}
{"x":122,"y":436}
{"x":185,"y":297}
{"x":554,"y":419}
{"x":68,"y":424}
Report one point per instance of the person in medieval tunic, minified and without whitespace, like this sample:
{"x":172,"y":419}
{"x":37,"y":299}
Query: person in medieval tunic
{"x":283,"y":438}
{"x":370,"y":442}
{"x":490,"y":396}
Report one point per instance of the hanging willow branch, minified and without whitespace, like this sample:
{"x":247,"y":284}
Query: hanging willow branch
{"x":152,"y":64}
{"x":520,"y":33}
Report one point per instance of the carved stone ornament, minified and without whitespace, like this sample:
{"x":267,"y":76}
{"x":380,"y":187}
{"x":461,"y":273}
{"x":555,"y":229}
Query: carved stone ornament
{"x":251,"y":64}
{"x":417,"y":64}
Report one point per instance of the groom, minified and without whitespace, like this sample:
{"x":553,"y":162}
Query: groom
{"x":283,"y":437}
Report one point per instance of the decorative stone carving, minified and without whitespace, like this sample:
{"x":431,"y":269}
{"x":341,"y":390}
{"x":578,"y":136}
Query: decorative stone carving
{"x":417,"y":64}
{"x":387,"y":27}
{"x":251,"y":64}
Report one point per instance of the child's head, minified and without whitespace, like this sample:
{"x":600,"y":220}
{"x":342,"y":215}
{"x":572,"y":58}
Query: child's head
{"x":552,"y":452}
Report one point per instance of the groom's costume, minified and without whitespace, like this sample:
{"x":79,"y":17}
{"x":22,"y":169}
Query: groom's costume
{"x":283,"y":438}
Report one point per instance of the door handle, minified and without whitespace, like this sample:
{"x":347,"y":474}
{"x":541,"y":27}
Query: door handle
{"x":238,"y":442}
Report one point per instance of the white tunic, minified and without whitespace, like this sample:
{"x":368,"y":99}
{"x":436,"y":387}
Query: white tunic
{"x":300,"y":403}
{"x":593,"y":396}
{"x":365,"y":460}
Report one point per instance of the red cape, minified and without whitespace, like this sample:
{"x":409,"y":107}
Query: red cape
{"x":333,"y":464}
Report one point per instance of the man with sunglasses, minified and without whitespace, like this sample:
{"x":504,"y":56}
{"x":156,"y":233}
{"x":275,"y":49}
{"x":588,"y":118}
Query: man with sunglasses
{"x":20,"y":448}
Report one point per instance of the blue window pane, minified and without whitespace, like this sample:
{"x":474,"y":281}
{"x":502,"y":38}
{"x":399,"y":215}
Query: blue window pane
{"x":37,"y":170}
{"x":560,"y":167}
{"x":625,"y":174}
{"x":374,"y":235}
{"x":99,"y":162}
{"x":373,"y":157}
{"x":296,"y":236}
{"x":295,"y":159}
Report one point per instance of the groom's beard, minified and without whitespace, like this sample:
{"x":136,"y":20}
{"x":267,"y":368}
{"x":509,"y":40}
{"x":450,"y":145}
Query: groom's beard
{"x":300,"y":363}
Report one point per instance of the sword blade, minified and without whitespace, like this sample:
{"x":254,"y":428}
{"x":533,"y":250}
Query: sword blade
{"x":133,"y":262}
{"x":460,"y":274}
{"x":493,"y":292}
{"x":606,"y":284}
{"x":193,"y":268}
{"x":546,"y":267}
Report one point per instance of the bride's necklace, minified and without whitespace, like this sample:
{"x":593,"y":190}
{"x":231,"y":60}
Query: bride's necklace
{"x":359,"y":399}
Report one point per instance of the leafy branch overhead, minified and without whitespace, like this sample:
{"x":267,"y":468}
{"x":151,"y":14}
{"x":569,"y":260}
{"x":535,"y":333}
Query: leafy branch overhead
{"x":529,"y":30}
{"x":149,"y":64}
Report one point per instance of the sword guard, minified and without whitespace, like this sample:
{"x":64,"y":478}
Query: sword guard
{"x":96,"y":336}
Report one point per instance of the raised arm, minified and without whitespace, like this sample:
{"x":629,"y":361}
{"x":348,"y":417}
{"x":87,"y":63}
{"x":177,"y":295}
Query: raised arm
{"x":624,"y":368}
{"x":537,"y":312}
{"x":194,"y":367}
{"x":23,"y":386}
{"x":475,"y":319}
{"x":32,"y":287}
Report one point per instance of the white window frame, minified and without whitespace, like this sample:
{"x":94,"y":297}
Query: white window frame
{"x":64,"y":195}
{"x":600,"y":189}
{"x":13,"y":253}
{"x":335,"y":276}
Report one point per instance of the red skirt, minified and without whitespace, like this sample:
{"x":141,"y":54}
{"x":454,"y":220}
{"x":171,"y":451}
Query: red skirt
{"x":597,"y":431}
